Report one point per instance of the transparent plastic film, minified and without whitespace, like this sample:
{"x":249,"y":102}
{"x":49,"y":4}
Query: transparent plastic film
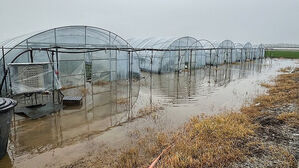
{"x":32,"y":78}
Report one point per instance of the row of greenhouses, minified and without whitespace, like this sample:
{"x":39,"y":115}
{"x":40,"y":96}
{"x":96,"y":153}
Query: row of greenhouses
{"x":189,"y":53}
{"x":75,"y":54}
{"x":82,"y":60}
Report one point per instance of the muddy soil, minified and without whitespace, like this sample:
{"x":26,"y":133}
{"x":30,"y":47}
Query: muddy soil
{"x":273,"y":133}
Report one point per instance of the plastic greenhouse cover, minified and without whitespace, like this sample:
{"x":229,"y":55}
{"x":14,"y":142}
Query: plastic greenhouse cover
{"x":160,"y":43}
{"x":226,"y":44}
{"x":248,"y":45}
{"x":13,"y":42}
{"x":68,"y":36}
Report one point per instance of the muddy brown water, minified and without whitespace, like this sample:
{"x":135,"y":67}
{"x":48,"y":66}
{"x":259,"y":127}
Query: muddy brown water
{"x":73,"y":133}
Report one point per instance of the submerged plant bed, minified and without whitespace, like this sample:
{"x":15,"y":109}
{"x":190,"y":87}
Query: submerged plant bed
{"x":263,"y":134}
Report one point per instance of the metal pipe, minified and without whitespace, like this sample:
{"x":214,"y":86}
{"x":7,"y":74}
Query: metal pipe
{"x":4,"y":69}
{"x":190,"y":68}
{"x":53,"y":80}
{"x":151,"y":83}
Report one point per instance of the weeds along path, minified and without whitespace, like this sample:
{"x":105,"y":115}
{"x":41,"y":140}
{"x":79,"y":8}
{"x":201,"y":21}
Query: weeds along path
{"x":264,"y":134}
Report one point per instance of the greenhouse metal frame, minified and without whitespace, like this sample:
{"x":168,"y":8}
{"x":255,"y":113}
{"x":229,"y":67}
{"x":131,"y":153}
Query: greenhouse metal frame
{"x":169,"y":55}
{"x":90,"y":58}
{"x":176,"y":54}
{"x":225,"y":52}
{"x":82,"y":59}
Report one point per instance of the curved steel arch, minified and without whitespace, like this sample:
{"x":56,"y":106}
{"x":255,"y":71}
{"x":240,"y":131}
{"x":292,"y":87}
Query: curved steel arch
{"x":170,"y":46}
{"x":225,"y":52}
{"x":156,"y":57}
{"x":247,"y":45}
{"x":212,"y":54}
{"x":239,"y":44}
{"x":247,"y":51}
{"x":72,"y":26}
{"x":223,"y":42}
{"x":209,"y":42}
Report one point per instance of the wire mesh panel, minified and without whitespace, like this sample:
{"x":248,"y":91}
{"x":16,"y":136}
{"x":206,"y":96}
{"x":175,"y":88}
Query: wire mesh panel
{"x":30,"y":77}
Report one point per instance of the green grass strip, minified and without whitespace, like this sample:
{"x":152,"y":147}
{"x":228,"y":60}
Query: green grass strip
{"x":282,"y":54}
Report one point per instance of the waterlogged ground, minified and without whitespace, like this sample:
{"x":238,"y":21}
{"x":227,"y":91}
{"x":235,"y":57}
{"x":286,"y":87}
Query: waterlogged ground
{"x":71,"y":134}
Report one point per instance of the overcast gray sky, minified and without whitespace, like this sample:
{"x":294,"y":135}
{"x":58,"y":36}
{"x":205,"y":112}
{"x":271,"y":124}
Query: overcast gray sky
{"x":258,"y":21}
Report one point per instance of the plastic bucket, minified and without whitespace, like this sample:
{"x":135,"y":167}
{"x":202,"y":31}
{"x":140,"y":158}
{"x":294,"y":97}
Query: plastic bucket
{"x":6,"y":109}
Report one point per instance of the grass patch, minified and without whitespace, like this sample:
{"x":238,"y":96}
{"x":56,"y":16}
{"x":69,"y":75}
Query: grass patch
{"x":290,"y":118}
{"x":282,"y":54}
{"x":211,"y":142}
{"x":203,"y":142}
{"x":284,"y":90}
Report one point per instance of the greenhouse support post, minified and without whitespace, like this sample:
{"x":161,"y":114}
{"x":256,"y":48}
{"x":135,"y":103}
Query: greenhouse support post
{"x":131,"y":82}
{"x":4,"y":71}
{"x":31,"y":56}
{"x":210,"y":57}
{"x":151,"y":76}
{"x":190,"y":67}
{"x":57,"y":62}
{"x":53,"y":75}
{"x":231,"y":56}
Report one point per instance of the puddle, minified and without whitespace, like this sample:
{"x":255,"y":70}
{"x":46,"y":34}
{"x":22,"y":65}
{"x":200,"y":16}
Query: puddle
{"x":70,"y":134}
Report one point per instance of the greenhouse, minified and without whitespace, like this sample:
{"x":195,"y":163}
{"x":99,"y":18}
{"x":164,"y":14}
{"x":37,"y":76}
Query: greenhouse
{"x":260,"y":51}
{"x":68,"y":61}
{"x":238,"y":53}
{"x":170,"y":54}
{"x":209,"y":51}
{"x":225,"y":52}
{"x":247,"y":51}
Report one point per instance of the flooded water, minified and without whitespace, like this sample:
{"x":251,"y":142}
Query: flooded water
{"x":72,"y":133}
